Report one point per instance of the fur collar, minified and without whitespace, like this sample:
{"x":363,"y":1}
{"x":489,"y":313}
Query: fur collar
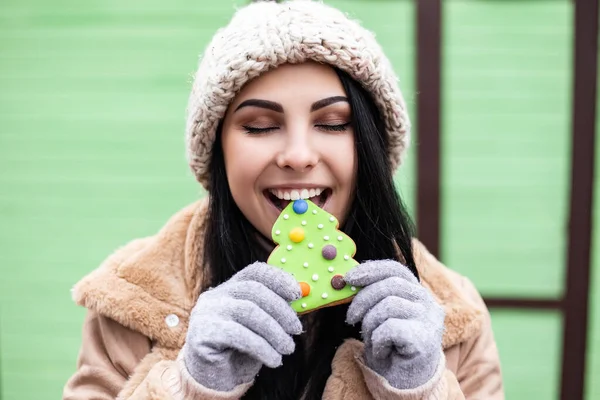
{"x":152,"y":278}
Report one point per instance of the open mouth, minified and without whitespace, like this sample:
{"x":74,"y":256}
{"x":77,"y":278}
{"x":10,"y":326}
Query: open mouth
{"x":281,"y":198}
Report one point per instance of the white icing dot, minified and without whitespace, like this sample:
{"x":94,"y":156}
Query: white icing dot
{"x":303,"y":305}
{"x":303,"y":222}
{"x":325,"y":237}
{"x":315,"y":212}
{"x":285,"y":216}
{"x":324,"y":295}
{"x":353,"y":288}
{"x":310,"y":245}
{"x":330,"y":269}
{"x":331,"y":219}
{"x":315,"y":277}
{"x":340,"y":238}
{"x":305,"y":265}
{"x":283,"y":260}
{"x":346,"y":258}
{"x":277,"y":232}
{"x":320,"y":226}
{"x":289,"y":247}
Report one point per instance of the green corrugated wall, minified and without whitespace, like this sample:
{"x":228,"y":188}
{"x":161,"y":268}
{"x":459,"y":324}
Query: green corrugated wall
{"x":593,"y":364}
{"x":92,"y":99}
{"x":506,"y":143}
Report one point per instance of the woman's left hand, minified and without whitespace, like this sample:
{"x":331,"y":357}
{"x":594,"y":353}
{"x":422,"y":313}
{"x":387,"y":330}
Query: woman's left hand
{"x":402,"y":324}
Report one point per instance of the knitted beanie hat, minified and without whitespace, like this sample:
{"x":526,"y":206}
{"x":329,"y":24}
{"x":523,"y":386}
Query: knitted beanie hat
{"x":264,"y":35}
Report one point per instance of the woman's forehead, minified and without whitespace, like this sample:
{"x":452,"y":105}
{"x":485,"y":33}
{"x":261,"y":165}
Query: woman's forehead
{"x":291,"y":82}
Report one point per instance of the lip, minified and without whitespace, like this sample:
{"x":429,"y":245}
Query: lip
{"x":276,"y":211}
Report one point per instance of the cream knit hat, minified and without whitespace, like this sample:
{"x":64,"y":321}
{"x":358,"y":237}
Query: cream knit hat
{"x":264,"y":35}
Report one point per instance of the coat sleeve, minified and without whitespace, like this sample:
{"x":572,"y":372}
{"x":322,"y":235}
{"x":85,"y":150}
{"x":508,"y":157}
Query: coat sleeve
{"x":108,"y":357}
{"x":478,"y":372}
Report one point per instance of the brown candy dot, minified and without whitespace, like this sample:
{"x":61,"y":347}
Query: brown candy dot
{"x":329,"y":252}
{"x":338,"y":282}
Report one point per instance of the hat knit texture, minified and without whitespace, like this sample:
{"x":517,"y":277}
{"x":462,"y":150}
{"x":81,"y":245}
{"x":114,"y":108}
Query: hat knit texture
{"x":264,"y":35}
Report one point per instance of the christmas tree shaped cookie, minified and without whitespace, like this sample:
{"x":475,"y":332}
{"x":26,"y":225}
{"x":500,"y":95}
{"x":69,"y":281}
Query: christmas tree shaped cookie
{"x":316,"y":253}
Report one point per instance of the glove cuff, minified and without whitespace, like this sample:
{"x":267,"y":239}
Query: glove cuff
{"x":381,"y":388}
{"x":192,"y":382}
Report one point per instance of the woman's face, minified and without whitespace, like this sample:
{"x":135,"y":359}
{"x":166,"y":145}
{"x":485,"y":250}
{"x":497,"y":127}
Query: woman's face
{"x":287,"y":135}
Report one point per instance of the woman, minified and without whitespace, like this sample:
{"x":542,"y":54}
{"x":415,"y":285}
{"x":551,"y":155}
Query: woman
{"x":290,"y":101}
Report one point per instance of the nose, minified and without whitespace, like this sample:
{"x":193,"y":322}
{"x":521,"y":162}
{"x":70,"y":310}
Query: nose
{"x":298,"y":153}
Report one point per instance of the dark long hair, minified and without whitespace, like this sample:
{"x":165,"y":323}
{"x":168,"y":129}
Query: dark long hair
{"x":377,"y":222}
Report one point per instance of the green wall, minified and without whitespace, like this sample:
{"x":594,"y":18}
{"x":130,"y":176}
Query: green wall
{"x":593,"y":366}
{"x":505,"y":175}
{"x":92,"y":99}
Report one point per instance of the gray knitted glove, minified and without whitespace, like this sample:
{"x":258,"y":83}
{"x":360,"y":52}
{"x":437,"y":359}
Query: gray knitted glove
{"x":402,"y":324}
{"x":240,"y":325}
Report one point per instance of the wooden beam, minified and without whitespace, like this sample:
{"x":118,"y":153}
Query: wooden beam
{"x":428,"y":71}
{"x":583,"y":127}
{"x":524,"y":303}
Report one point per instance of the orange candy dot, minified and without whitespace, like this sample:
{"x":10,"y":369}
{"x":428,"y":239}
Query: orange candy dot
{"x":297,"y":235}
{"x":305,"y":287}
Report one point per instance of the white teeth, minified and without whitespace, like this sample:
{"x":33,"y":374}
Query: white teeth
{"x":296,"y":194}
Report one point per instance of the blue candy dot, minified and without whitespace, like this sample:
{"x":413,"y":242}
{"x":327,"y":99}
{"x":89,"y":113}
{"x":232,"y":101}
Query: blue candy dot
{"x":300,"y":206}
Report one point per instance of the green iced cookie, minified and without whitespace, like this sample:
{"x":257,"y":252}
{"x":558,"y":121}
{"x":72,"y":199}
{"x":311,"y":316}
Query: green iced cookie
{"x":315,"y":252}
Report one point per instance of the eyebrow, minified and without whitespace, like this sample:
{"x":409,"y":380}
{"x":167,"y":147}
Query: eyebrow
{"x":327,"y":102}
{"x":271,"y":105}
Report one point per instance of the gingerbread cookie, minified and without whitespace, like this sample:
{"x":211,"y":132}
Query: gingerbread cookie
{"x":316,"y":253}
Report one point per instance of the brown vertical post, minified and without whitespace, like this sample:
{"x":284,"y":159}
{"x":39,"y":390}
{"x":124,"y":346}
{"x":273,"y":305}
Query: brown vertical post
{"x":429,"y":27}
{"x":583,"y":126}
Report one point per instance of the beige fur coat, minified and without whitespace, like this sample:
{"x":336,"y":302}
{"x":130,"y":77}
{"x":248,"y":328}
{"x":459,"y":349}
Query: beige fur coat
{"x":140,"y":299}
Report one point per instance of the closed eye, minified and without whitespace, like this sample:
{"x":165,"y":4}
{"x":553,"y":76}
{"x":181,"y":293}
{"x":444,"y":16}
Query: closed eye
{"x":334,"y":128}
{"x":255,"y":131}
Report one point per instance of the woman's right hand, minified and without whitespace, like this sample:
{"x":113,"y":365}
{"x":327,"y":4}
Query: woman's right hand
{"x":241,"y":325}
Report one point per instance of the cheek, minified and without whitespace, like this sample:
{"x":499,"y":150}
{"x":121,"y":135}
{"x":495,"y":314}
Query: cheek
{"x":344,"y":160}
{"x":244,"y":160}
